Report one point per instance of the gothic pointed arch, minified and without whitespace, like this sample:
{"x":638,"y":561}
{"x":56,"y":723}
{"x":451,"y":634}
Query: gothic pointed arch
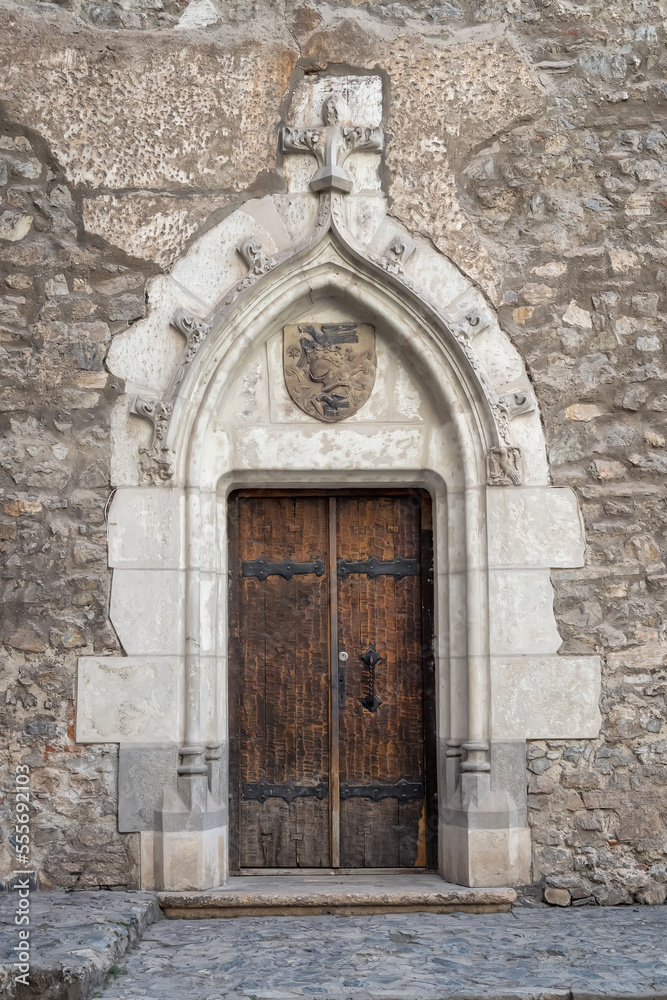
{"x":206,"y":411}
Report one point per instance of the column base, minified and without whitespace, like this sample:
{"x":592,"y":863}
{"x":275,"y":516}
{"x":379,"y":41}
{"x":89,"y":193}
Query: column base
{"x":189,"y":846}
{"x":483,"y":842}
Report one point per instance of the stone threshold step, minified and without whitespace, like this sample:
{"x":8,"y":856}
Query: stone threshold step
{"x":347,"y":895}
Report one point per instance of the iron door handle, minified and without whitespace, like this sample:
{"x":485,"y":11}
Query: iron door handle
{"x":371,"y":658}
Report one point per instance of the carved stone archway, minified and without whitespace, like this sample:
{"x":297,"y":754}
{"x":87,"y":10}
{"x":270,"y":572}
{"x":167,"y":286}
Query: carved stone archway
{"x":453,"y":412}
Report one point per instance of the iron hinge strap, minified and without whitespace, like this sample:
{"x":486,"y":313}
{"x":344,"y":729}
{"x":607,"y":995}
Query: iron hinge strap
{"x":261,"y":568}
{"x":403,"y":790}
{"x":398,"y":567}
{"x":260,"y":791}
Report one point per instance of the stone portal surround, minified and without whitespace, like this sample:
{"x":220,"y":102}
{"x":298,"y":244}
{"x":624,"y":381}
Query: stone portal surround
{"x":452,"y":410}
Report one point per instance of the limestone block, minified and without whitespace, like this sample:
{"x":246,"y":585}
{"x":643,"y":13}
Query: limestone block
{"x":521,"y":618}
{"x":364,"y":215}
{"x":190,"y":860}
{"x":298,"y":172}
{"x":172,"y":114}
{"x":266,"y":215}
{"x":208,"y":612}
{"x":339,"y":448}
{"x":147,"y":860}
{"x":499,"y":357}
{"x":365,"y":172}
{"x":248,"y":397}
{"x":362,"y":95}
{"x":143,"y":774}
{"x":133,"y":699}
{"x":534,"y":526}
{"x":146,"y":609}
{"x":209,"y":667}
{"x":486,"y":857}
{"x":440,"y":280}
{"x":545,"y":697}
{"x":408,"y":398}
{"x":128,"y":434}
{"x":149,"y":354}
{"x":444,"y":455}
{"x":148,"y":225}
{"x":527,"y":434}
{"x":144,"y":528}
{"x":198,"y":14}
{"x":297,"y":212}
{"x":213,"y":264}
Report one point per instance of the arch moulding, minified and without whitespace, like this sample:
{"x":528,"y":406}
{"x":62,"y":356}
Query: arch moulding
{"x":206,"y":411}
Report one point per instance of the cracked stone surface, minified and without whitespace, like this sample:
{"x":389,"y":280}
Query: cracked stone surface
{"x":527,"y":953}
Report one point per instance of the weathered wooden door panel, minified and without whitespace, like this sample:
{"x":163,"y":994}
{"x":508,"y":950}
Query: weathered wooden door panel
{"x":329,"y":755}
{"x":382,"y":721}
{"x":281,"y":697}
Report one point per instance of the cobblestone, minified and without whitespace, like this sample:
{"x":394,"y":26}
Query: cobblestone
{"x":542,"y":953}
{"x":75,"y":939}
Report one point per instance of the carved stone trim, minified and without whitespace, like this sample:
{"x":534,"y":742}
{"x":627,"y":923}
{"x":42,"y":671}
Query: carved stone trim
{"x":157,"y":461}
{"x":258,"y":261}
{"x":331,"y":144}
{"x":516,"y":403}
{"x":503,"y":459}
{"x":472,"y":323}
{"x":396,"y":255}
{"x":477,"y":755}
{"x":503,"y":466}
{"x":194,"y":330}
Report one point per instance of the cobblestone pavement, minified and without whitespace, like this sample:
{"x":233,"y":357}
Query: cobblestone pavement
{"x":529,"y":953}
{"x":75,"y":938}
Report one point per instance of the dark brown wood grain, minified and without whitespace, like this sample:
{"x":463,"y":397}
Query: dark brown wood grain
{"x":279,"y":678}
{"x":285,"y":720}
{"x":384,"y":746}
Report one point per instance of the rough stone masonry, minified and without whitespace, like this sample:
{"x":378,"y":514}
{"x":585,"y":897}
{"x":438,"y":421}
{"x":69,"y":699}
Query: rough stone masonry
{"x":527,"y":140}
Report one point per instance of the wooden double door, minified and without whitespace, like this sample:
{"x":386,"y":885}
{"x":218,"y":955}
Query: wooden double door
{"x":331,"y":681}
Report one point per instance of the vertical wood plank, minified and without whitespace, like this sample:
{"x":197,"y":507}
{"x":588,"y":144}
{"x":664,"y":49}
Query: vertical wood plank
{"x":384,"y":746}
{"x":280,"y":677}
{"x":430,"y":819}
{"x":334,"y":711}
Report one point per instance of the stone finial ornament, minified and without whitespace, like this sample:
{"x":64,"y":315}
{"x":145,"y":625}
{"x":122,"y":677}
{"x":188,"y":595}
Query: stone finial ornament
{"x":331,"y":145}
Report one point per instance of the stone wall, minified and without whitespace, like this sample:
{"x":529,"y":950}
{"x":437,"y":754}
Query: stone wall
{"x":527,"y":140}
{"x":61,"y":301}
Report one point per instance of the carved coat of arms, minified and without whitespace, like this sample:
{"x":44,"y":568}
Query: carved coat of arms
{"x":329,"y":367}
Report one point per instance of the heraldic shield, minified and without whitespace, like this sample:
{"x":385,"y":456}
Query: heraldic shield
{"x":329,"y":367}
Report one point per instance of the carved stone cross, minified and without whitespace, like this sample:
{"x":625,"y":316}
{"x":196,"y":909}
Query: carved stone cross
{"x":331,"y":144}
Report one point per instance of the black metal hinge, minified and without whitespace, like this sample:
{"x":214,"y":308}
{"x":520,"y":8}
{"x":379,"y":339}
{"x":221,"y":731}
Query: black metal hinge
{"x":260,"y":791}
{"x":403,"y":790}
{"x":398,"y":567}
{"x":288,"y":568}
